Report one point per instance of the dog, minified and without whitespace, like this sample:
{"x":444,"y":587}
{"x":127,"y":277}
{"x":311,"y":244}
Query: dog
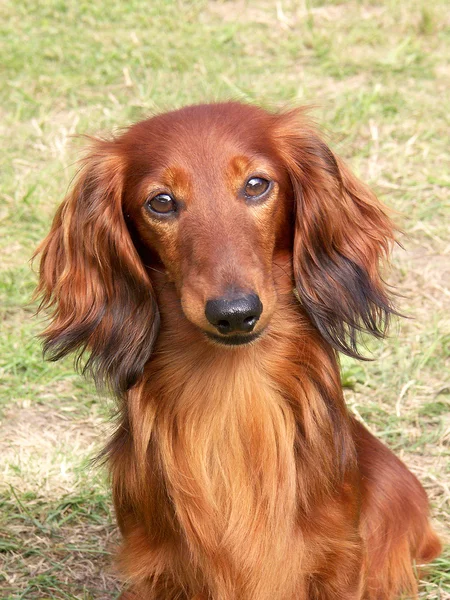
{"x":212,"y":261}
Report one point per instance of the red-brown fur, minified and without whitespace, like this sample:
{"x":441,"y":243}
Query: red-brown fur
{"x":237,"y":472}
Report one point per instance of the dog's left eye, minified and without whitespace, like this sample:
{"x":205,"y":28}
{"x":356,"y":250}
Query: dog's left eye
{"x":256,"y":187}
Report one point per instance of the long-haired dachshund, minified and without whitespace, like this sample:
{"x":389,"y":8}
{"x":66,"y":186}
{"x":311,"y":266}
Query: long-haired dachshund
{"x":212,"y":261}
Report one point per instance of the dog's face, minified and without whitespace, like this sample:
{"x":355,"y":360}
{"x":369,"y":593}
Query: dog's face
{"x":212,"y":195}
{"x":210,"y":201}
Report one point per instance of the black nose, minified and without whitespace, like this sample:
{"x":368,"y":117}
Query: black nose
{"x":237,"y":314}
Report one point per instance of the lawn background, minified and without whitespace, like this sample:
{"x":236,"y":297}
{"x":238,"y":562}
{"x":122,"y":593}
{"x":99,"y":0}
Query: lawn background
{"x":378,"y":74}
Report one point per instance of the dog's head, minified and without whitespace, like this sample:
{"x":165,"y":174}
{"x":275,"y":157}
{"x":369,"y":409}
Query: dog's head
{"x":211,"y":195}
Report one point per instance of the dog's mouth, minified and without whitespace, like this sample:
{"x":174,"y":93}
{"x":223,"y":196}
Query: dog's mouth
{"x":239,"y":339}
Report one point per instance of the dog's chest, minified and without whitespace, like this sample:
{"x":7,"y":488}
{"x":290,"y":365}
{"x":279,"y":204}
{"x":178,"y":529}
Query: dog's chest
{"x":229,"y":464}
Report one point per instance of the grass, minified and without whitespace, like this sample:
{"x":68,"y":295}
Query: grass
{"x":376,"y":72}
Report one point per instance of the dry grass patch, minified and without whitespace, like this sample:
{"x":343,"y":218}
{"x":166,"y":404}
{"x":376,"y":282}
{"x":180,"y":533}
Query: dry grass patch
{"x":57,"y":529}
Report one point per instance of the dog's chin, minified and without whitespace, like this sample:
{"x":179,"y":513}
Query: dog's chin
{"x":239,"y":339}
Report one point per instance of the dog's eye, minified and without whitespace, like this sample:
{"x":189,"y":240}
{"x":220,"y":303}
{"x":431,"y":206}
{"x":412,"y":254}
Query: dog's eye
{"x":256,"y":187}
{"x":162,"y":204}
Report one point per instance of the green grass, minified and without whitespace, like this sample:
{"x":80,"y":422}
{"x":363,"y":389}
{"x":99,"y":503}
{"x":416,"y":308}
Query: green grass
{"x":376,"y":72}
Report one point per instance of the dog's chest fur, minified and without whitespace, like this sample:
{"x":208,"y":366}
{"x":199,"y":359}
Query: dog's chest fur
{"x":224,"y":459}
{"x":229,"y":466}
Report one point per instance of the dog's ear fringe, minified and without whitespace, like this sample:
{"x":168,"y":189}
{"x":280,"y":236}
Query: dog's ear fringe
{"x":369,"y":312}
{"x":111,"y":367}
{"x":92,"y":281}
{"x":343,"y":237}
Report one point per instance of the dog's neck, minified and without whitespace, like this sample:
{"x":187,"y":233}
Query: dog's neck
{"x":290,"y":367}
{"x":232,"y":435}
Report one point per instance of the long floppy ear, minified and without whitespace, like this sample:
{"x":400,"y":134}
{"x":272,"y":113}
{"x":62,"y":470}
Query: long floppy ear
{"x":342,"y":237}
{"x":92,"y":279}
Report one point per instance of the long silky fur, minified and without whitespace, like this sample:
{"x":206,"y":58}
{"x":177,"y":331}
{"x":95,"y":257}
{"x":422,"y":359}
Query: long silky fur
{"x":241,"y":447}
{"x":238,"y":474}
{"x":93,"y":282}
{"x":342,"y":236}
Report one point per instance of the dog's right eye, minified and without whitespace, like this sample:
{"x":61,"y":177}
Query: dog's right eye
{"x":162,"y":204}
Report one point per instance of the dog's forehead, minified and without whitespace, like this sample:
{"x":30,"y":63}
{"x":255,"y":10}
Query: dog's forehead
{"x":206,"y":150}
{"x":204,"y":137}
